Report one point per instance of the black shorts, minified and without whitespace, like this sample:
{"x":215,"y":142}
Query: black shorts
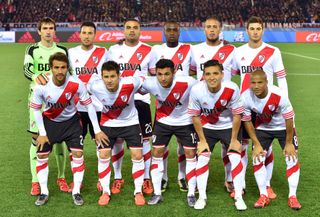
{"x":69,"y":131}
{"x":131,"y":134}
{"x":214,"y":136}
{"x":266,"y":137}
{"x":85,"y":122}
{"x":162,"y":134}
{"x":145,"y":119}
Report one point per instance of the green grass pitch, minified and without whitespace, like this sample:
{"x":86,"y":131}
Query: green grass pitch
{"x":302,"y":63}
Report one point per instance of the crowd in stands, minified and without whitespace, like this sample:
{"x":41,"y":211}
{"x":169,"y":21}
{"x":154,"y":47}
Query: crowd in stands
{"x":229,"y":11}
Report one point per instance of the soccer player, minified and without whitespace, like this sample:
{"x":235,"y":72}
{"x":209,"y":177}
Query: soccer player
{"x":214,"y":48}
{"x":119,"y":119}
{"x":179,"y":53}
{"x":86,"y":61}
{"x":172,"y":118}
{"x":274,"y":120}
{"x":133,"y":58}
{"x":60,"y":122}
{"x":259,"y":55}
{"x":216,"y":109}
{"x":37,"y":70}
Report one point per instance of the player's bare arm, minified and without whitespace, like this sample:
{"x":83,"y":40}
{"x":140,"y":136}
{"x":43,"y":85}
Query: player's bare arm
{"x":234,"y":143}
{"x":202,"y":144}
{"x":257,"y":150}
{"x":289,"y":150}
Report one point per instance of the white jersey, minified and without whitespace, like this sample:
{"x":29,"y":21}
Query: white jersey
{"x":86,"y":65}
{"x":202,"y":52}
{"x":133,"y":61}
{"x":59,"y":100}
{"x":172,"y":102}
{"x":180,"y":56}
{"x":216,"y":109}
{"x":118,"y":107}
{"x":271,"y":111}
{"x":266,"y":57}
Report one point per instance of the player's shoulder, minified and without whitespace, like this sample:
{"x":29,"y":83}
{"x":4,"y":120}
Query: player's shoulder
{"x":145,"y":44}
{"x":62,"y":48}
{"x":182,"y":78}
{"x":115,"y":47}
{"x":276,"y":90}
{"x":242,"y":47}
{"x":31,"y":48}
{"x":99,"y":47}
{"x":74,"y":49}
{"x":198,"y":46}
{"x":199,"y":87}
{"x":230,"y":84}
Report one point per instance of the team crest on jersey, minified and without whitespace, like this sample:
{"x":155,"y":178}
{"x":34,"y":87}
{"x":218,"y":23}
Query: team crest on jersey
{"x":223,"y":102}
{"x":180,"y":56}
{"x":139,"y":56}
{"x":262,"y":58}
{"x":221,"y":56}
{"x":68,"y":95}
{"x":176,"y":95}
{"x":95,"y":59}
{"x":272,"y":107}
{"x":124,"y":98}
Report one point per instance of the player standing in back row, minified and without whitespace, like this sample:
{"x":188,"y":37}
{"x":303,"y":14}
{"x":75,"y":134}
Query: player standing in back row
{"x":36,"y":69}
{"x":133,"y":58}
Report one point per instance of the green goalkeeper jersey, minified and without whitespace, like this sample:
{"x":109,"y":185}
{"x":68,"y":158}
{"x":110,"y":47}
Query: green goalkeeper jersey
{"x":36,"y":60}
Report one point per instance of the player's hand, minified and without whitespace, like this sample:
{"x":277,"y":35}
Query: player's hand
{"x":102,"y":139}
{"x":202,"y":147}
{"x":290,"y":152}
{"x":258,"y":152}
{"x":41,"y":140}
{"x":42,"y":79}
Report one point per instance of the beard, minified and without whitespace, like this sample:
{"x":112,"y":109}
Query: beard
{"x":214,"y":40}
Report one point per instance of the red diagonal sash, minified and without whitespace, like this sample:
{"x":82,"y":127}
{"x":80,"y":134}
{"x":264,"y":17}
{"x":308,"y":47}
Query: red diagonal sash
{"x":259,"y":61}
{"x":119,"y":104}
{"x":172,"y":99}
{"x":136,"y":58}
{"x":268,"y":110}
{"x":92,"y":62}
{"x":180,"y":54}
{"x":222,"y":54}
{"x":67,"y":95}
{"x":218,"y":107}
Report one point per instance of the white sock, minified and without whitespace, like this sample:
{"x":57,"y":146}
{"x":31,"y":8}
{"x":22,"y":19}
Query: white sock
{"x":117,"y":158}
{"x":42,"y":174}
{"x":293,"y":174}
{"x":156,"y":174}
{"x":78,"y":168}
{"x":191,"y":164}
{"x":147,"y":158}
{"x":181,"y":162}
{"x":202,"y":173}
{"x":244,"y":159}
{"x":104,"y":172}
{"x":260,"y":173}
{"x":165,"y":164}
{"x":226,"y":164}
{"x":236,"y":170}
{"x":137,"y":174}
{"x":269,"y":165}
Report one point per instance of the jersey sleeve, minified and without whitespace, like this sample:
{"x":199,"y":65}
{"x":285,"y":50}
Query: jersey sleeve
{"x":235,"y":70}
{"x":278,"y":67}
{"x":246,"y":116}
{"x":193,"y":64}
{"x":236,"y":104}
{"x":137,"y":82}
{"x":28,"y":65}
{"x":286,"y":108}
{"x":194,"y":107}
{"x":84,"y":96}
{"x":145,"y":87}
{"x":36,"y":102}
{"x":153,"y":60}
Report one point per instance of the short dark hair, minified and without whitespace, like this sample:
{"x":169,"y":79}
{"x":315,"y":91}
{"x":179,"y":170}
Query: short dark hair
{"x":214,"y":18}
{"x":90,"y":24}
{"x":46,"y":20}
{"x":254,"y":19}
{"x":164,"y":63}
{"x":59,"y":56}
{"x":109,"y":66}
{"x":131,"y":19}
{"x":213,"y":63}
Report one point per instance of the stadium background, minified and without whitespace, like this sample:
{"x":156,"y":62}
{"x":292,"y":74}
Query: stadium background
{"x":302,"y":66}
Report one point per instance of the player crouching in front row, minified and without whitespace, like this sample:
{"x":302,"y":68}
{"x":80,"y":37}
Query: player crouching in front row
{"x":59,"y":122}
{"x":274,"y":120}
{"x":119,"y":119}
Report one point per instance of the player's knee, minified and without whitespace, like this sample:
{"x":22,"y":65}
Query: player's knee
{"x":190,"y":153}
{"x":136,"y":154}
{"x":236,"y":147}
{"x":42,"y":156}
{"x":158,"y":152}
{"x":104,"y":153}
{"x":77,"y":154}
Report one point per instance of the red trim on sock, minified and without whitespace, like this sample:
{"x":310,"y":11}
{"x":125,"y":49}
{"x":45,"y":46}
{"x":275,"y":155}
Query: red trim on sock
{"x":202,"y":170}
{"x":137,"y":174}
{"x":104,"y":173}
{"x":293,"y":169}
{"x":79,"y":168}
{"x":257,"y":167}
{"x":41,"y":167}
{"x":191,"y":174}
{"x":117,"y":156}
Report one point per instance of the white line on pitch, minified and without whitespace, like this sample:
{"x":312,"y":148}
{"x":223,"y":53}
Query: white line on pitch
{"x":299,"y":55}
{"x":304,"y":74}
